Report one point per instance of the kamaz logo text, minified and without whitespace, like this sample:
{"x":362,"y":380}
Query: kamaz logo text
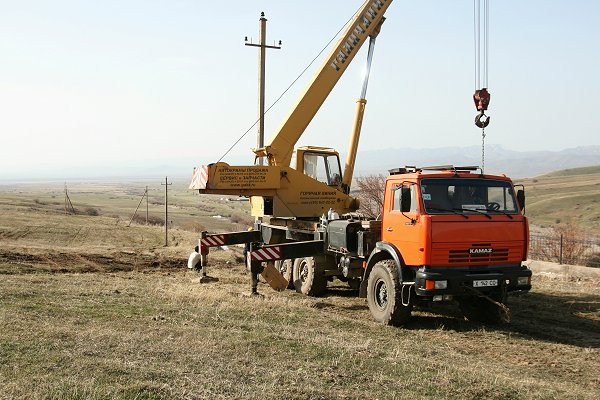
{"x":486,"y":250}
{"x":362,"y":24}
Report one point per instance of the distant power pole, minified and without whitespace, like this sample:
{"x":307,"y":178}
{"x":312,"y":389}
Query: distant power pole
{"x":166,"y":184}
{"x":68,"y":204}
{"x":146,"y":193}
{"x":262,"y":38}
{"x":138,"y":206}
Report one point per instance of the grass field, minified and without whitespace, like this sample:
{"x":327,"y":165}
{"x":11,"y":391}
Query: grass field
{"x":118,"y":200}
{"x":91,"y":308}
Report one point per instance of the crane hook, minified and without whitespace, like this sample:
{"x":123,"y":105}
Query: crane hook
{"x":482,"y":120}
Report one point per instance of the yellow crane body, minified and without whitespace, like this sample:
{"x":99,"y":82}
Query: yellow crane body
{"x":274,"y":190}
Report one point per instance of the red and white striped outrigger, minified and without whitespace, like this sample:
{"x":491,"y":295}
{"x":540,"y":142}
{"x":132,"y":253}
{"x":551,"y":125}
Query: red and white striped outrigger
{"x":258,"y":251}
{"x":259,"y":256}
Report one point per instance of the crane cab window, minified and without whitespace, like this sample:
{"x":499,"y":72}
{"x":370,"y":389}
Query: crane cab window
{"x":323,"y":167}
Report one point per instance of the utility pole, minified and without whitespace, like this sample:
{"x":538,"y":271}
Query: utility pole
{"x":262,"y":39}
{"x":146,"y":205}
{"x":166,"y":184}
{"x":138,"y":206}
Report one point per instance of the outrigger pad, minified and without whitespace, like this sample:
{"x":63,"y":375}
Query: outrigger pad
{"x":274,"y":277}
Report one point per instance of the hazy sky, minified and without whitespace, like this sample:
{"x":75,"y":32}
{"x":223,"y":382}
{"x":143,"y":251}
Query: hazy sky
{"x":93,"y":83}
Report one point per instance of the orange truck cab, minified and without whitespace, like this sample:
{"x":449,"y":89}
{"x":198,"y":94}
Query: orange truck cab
{"x":448,"y":233}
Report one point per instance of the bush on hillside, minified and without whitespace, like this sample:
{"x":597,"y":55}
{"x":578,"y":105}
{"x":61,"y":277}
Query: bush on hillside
{"x":91,"y":211}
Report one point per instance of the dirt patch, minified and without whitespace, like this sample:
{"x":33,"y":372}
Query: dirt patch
{"x":18,"y":262}
{"x":576,"y":272}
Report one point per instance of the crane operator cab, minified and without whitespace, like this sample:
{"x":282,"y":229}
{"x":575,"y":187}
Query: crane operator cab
{"x":320,"y":163}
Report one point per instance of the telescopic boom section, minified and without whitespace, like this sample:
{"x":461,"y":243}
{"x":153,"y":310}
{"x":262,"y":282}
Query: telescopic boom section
{"x":358,"y":117}
{"x":365,"y":22}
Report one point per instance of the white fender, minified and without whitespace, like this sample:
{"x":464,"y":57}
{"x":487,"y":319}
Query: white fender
{"x":194,"y":259}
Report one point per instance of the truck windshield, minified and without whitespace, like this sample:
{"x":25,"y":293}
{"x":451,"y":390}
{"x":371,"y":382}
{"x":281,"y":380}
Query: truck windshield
{"x":448,"y":196}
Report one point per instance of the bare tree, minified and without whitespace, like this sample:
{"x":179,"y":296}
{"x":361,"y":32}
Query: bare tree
{"x":370,"y":194}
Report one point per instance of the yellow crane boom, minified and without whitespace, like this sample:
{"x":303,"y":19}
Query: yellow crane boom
{"x":364,"y":23}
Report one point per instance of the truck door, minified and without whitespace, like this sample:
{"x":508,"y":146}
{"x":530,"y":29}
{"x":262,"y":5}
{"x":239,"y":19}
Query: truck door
{"x":402,"y":227}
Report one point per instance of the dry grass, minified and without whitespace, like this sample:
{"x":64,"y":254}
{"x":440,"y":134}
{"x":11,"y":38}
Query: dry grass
{"x":165,"y":335}
{"x":90,"y":309}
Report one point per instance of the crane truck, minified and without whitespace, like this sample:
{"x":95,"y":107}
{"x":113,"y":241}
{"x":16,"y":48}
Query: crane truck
{"x":446,"y":233}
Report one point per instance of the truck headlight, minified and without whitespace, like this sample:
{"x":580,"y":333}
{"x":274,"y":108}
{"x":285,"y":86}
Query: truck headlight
{"x":431,"y":284}
{"x":523,"y":280}
{"x":441,"y":284}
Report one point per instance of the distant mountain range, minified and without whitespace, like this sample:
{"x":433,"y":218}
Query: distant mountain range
{"x":516,"y":164}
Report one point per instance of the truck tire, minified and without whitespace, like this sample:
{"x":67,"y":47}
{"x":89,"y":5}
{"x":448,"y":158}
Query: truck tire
{"x":480,"y":309}
{"x":286,"y":267}
{"x":309,"y":277}
{"x":383,"y":295}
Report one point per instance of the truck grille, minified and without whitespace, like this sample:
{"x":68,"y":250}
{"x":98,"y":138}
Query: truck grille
{"x":460,"y":254}
{"x":465,"y":256}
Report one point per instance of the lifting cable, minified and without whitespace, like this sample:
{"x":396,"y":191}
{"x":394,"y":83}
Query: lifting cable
{"x":481,"y":97}
{"x":290,"y":85}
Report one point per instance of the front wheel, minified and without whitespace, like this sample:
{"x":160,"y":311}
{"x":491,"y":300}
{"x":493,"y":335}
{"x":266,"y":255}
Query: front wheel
{"x":384,"y":295}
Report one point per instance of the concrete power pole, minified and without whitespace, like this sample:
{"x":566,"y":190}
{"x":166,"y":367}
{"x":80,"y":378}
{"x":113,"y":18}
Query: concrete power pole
{"x":262,"y":45}
{"x":166,"y":184}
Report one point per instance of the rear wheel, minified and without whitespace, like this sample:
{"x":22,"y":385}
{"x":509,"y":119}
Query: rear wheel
{"x":480,"y":309}
{"x":384,"y":295}
{"x":309,"y":277}
{"x":286,"y":268}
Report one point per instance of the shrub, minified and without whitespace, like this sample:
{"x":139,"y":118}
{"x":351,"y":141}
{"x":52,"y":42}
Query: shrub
{"x":242,"y":219}
{"x":152,"y":220}
{"x":593,"y":261}
{"x":91,"y":211}
{"x":573,"y":245}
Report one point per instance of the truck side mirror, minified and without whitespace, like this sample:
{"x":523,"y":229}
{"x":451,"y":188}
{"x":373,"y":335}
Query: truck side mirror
{"x":405,"y":199}
{"x":521,"y":199}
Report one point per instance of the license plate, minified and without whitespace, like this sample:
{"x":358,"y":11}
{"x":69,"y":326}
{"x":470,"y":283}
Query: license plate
{"x":485,"y":283}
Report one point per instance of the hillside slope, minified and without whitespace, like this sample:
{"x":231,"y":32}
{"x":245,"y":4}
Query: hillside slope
{"x":565,"y":196}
